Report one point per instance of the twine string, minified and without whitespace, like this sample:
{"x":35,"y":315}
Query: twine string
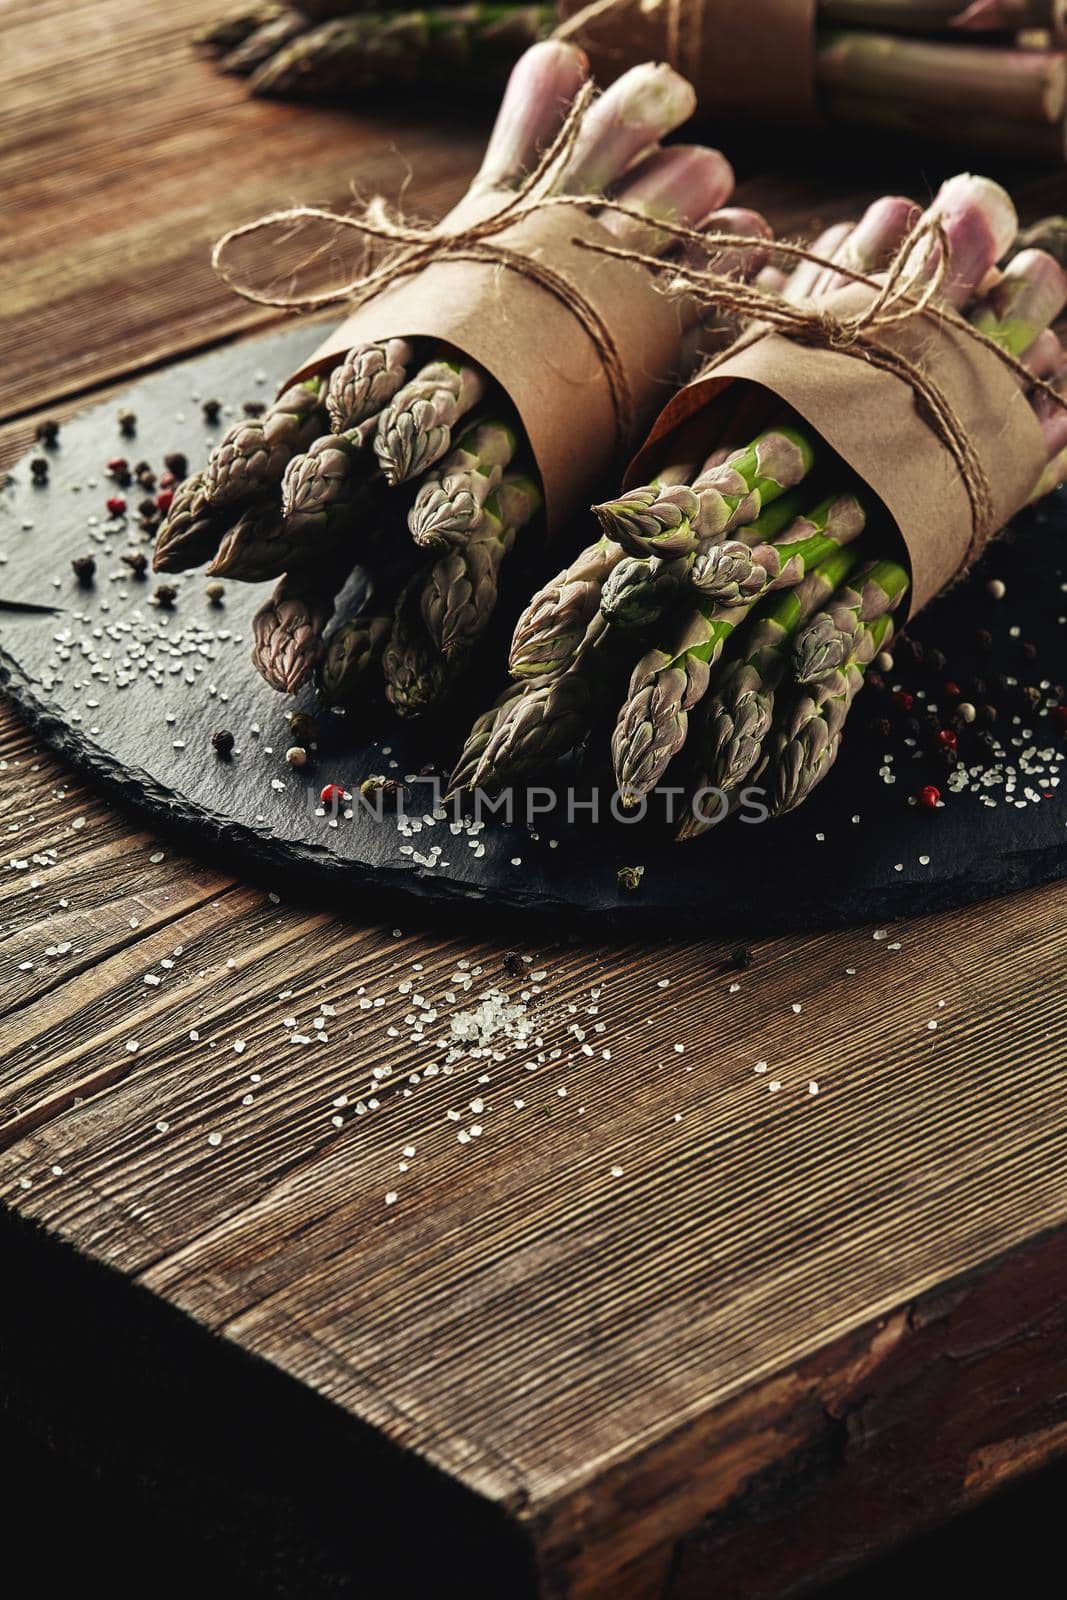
{"x":909,"y":290}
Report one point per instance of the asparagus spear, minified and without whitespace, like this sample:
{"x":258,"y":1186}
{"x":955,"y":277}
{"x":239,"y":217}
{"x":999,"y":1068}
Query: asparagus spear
{"x":351,"y":651}
{"x":190,"y":531}
{"x":472,"y":44}
{"x":460,"y":593}
{"x":734,"y":573}
{"x":806,"y":746}
{"x":666,"y":684}
{"x":287,"y":629}
{"x":477,"y":740}
{"x":415,"y":429}
{"x":673,"y":521}
{"x":543,"y":85}
{"x":657,"y":519}
{"x":1023,"y":303}
{"x":640,"y":590}
{"x":323,"y":487}
{"x":737,"y":715}
{"x":365,"y":382}
{"x":263,"y":42}
{"x":250,"y":459}
{"x":1028,"y":86}
{"x":229,"y":30}
{"x":449,"y":502}
{"x":829,"y":639}
{"x":550,"y":631}
{"x":414,"y":669}
{"x":551,"y":719}
{"x":260,"y":545}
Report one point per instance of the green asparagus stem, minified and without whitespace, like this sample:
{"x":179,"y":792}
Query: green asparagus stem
{"x":415,"y":429}
{"x":1024,"y":302}
{"x":641,"y":589}
{"x":322,"y":488}
{"x":366,"y":381}
{"x":460,"y":593}
{"x":449,"y":503}
{"x":552,"y":718}
{"x":474,"y":45}
{"x":829,"y":639}
{"x":738,"y":714}
{"x":666,"y":684}
{"x":734,"y":573}
{"x":658,"y":519}
{"x":806,"y":746}
{"x":415,"y":671}
{"x":260,"y":545}
{"x":352,"y":650}
{"x":550,"y":631}
{"x":477,"y":740}
{"x":248,"y":462}
{"x":263,"y":42}
{"x":1028,"y":86}
{"x":673,"y":521}
{"x":190,"y":531}
{"x":287,"y":630}
{"x":229,"y":30}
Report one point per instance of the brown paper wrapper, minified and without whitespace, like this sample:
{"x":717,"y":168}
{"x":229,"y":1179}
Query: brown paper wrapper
{"x":871,"y":420}
{"x":754,"y":56}
{"x":535,"y":346}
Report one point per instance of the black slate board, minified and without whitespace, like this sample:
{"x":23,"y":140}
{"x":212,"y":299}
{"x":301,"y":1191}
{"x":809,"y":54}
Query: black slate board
{"x":130,"y":694}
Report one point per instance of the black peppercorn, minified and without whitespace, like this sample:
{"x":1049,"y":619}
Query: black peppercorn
{"x":47,"y":432}
{"x":222,"y":742}
{"x":39,"y":469}
{"x":513,"y":964}
{"x":137,"y":562}
{"x":84,"y":569}
{"x":211,"y":410}
{"x":127,"y":421}
{"x":165,"y":596}
{"x":303,"y":728}
{"x":177,"y":463}
{"x":147,"y":508}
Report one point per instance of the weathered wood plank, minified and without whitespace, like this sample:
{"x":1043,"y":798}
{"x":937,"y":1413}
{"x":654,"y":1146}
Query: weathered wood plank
{"x":119,"y":172}
{"x":714,"y":1366}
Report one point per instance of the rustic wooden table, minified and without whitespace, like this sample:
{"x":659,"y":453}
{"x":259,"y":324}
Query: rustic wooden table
{"x":667,"y":1315}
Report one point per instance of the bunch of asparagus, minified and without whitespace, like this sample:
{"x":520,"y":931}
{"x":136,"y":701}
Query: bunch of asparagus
{"x":991,"y":71}
{"x":412,"y":432}
{"x":730,"y":609}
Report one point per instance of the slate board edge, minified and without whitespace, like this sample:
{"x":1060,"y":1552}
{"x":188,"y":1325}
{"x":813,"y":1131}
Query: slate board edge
{"x":285,"y":865}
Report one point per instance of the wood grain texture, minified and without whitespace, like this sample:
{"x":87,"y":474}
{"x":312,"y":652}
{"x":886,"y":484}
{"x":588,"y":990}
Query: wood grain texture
{"x":674,"y":1327}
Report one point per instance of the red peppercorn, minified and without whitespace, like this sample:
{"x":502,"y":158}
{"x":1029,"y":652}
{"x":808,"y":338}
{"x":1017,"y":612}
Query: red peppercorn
{"x":904,"y":699}
{"x":163,"y":499}
{"x":331,"y":792}
{"x":167,"y":480}
{"x":946,"y":737}
{"x":118,"y":464}
{"x":116,"y":505}
{"x":929,"y":796}
{"x":953,"y":689}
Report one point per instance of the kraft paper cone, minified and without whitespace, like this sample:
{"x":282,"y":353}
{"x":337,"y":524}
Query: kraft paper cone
{"x":871,"y":420}
{"x":755,"y":56}
{"x":535,"y":346}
